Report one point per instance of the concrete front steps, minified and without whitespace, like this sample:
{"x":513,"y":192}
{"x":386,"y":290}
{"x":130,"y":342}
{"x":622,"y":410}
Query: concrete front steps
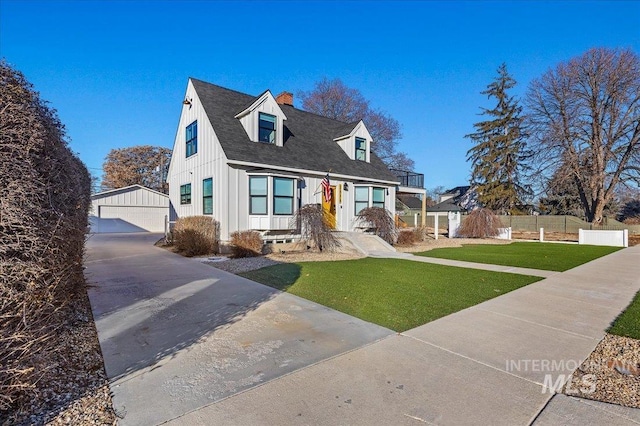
{"x":367,"y":244}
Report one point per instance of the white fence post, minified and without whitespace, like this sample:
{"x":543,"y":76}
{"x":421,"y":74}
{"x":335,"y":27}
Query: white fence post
{"x":436,"y":223}
{"x":580,"y":236}
{"x":415,"y":219}
{"x":625,"y":238}
{"x":541,"y":235}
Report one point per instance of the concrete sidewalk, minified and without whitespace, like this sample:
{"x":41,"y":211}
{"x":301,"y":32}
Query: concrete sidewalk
{"x":463,"y":264}
{"x":483,"y":365}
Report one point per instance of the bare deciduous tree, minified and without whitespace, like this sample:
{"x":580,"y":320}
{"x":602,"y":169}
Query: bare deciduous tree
{"x":143,"y":165}
{"x":331,"y":98}
{"x":585,"y":116}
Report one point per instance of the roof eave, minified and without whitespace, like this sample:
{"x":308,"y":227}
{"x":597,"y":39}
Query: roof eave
{"x":311,"y":172}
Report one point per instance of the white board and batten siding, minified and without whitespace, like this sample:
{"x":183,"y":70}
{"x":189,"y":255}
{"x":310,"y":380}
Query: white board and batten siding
{"x":209,"y":162}
{"x":604,"y":237}
{"x":130,"y":209}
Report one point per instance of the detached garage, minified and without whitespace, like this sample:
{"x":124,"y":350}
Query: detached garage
{"x":134,"y":208}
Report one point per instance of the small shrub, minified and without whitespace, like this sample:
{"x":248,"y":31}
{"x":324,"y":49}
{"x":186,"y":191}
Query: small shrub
{"x":246,"y":244}
{"x":420,"y":232}
{"x":196,"y":235}
{"x":480,"y":223}
{"x":381,"y":220}
{"x":314,"y":228}
{"x":406,"y":238}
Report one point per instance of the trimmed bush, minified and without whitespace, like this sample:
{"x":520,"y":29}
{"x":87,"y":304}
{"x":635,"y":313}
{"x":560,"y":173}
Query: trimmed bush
{"x":381,"y":221}
{"x":406,"y":238}
{"x":246,"y":244}
{"x":196,"y":235}
{"x":480,"y":223}
{"x":44,"y":203}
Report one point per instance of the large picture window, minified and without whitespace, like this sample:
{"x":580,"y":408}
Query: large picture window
{"x":362,"y":198}
{"x":258,"y":195}
{"x":283,"y":195}
{"x":378,"y":197}
{"x":192,"y":138}
{"x":267,"y":128}
{"x":185,"y":194}
{"x":207,"y":196}
{"x":361,"y":149}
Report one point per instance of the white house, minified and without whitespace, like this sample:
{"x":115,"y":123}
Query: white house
{"x":133,"y":208}
{"x":252,"y":161}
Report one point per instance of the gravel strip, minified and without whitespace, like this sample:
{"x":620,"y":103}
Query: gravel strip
{"x":599,"y":368}
{"x":73,"y":389}
{"x":238,"y":266}
{"x":291,"y":253}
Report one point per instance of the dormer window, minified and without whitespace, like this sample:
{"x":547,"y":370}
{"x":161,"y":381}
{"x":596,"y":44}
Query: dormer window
{"x":267,"y":128}
{"x":361,"y":149}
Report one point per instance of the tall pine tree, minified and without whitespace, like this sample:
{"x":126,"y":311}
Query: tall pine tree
{"x":498,"y":151}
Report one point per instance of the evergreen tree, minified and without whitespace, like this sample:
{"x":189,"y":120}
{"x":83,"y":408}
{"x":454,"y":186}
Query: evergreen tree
{"x":499,"y":148}
{"x":561,"y":195}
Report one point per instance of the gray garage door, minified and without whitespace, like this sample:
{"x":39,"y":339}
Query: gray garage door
{"x":128,"y":219}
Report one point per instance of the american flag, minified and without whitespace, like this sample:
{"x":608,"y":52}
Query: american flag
{"x":326,"y":188}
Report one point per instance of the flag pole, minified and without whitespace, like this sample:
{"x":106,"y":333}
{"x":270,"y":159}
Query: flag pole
{"x":320,"y":184}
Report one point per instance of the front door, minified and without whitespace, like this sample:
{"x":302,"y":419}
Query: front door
{"x":329,"y":208}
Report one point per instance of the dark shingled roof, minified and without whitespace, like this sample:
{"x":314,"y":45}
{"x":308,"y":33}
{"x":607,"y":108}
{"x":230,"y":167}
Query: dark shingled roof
{"x":411,"y":202}
{"x":308,"y":138}
{"x":445,"y":206}
{"x":458,"y":191}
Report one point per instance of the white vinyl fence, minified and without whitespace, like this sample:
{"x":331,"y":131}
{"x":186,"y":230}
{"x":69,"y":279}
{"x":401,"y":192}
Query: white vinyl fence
{"x":604,"y":238}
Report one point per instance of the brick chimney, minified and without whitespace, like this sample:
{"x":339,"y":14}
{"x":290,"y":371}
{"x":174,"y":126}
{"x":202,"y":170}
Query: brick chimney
{"x":285,"y":98}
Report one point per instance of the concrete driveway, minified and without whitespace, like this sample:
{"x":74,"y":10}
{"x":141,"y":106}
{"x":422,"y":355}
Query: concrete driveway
{"x":178,"y":335}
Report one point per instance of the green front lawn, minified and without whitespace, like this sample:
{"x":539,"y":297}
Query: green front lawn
{"x":628,"y":323}
{"x":397,"y":294}
{"x":545,"y":256}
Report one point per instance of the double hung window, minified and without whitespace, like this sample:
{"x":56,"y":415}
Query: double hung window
{"x":267,"y":128}
{"x":185,"y":194}
{"x":207,"y":196}
{"x":192,"y":138}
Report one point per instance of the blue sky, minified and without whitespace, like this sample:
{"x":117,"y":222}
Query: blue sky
{"x":116,"y":71}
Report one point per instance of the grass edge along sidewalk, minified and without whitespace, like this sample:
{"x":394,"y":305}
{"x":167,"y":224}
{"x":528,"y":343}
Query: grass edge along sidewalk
{"x":393,"y":293}
{"x":628,"y":322}
{"x":535,"y":255}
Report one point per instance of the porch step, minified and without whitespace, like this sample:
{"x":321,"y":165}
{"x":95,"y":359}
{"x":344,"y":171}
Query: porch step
{"x":367,"y":244}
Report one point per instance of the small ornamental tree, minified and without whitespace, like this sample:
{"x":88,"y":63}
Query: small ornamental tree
{"x":312,"y":221}
{"x":381,"y":221}
{"x":480,"y":223}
